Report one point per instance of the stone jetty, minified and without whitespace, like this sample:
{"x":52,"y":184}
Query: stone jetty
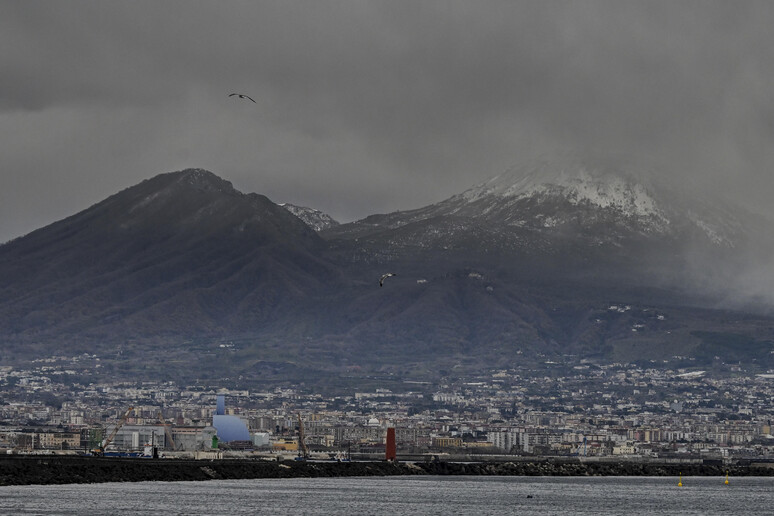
{"x":25,"y":470}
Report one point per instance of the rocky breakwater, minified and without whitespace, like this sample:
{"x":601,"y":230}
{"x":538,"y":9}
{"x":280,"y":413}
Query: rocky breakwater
{"x":24,"y":470}
{"x":578,"y":468}
{"x":21,"y":470}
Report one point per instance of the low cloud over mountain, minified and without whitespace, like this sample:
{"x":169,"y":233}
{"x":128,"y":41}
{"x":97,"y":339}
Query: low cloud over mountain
{"x":537,"y":261}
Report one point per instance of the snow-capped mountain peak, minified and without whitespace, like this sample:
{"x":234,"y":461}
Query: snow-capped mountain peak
{"x":577,"y":181}
{"x":621,"y":192}
{"x":564,"y":201}
{"x":315,"y":219}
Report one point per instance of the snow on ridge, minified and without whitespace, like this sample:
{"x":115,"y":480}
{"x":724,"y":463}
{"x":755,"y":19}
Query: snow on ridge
{"x":714,"y":231}
{"x":628,"y":197}
{"x":313,"y":218}
{"x":713,"y":235}
{"x":578,"y":184}
{"x":628,"y":190}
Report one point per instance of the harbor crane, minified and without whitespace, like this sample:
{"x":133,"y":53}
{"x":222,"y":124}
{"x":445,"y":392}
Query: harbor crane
{"x":170,"y":440}
{"x":100,"y":450}
{"x":303,"y":451}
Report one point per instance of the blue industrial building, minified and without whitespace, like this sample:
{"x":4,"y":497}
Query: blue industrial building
{"x":230,"y":428}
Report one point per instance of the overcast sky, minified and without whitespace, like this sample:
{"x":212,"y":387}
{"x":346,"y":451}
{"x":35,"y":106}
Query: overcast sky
{"x":373,"y":106}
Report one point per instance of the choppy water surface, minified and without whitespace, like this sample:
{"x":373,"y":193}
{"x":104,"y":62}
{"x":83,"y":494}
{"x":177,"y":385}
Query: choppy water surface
{"x":402,"y":496}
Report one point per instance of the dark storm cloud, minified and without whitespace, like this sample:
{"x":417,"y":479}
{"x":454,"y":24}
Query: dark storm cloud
{"x":372,"y":106}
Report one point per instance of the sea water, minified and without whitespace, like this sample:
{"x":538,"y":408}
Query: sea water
{"x":402,"y":496}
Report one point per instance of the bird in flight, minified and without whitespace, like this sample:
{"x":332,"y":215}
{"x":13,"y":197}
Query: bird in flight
{"x":385,"y":276}
{"x":242,"y":97}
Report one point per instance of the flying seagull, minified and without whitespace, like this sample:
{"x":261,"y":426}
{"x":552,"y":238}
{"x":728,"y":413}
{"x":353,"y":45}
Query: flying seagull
{"x":384,"y":277}
{"x":242,"y":97}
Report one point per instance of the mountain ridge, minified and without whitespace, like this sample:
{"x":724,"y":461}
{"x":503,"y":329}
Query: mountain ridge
{"x":181,"y":263}
{"x":313,"y":218}
{"x":152,"y":258}
{"x":567,"y":185}
{"x":598,"y":223}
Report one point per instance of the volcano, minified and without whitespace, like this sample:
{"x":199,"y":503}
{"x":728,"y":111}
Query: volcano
{"x":182,"y":276}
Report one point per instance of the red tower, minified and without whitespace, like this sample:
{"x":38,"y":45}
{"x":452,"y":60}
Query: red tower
{"x":390,"y":451}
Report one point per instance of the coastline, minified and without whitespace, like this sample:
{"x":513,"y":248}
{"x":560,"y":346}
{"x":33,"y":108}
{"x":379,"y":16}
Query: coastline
{"x":37,"y":470}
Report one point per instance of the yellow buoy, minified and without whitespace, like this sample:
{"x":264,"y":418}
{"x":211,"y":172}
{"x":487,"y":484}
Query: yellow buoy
{"x":726,"y":477}
{"x":680,"y":482}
